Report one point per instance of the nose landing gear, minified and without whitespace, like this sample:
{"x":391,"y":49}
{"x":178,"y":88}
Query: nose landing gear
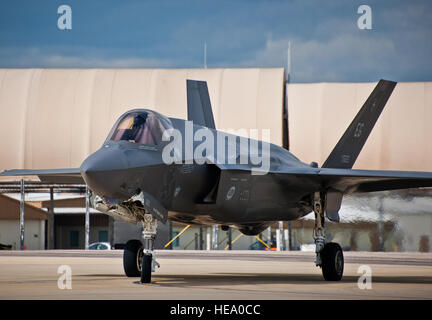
{"x":329,"y":256}
{"x":148,"y":258}
{"x":139,"y":260}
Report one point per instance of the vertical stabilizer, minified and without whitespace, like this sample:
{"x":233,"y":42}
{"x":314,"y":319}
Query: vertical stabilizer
{"x":349,"y":146}
{"x":198,"y":104}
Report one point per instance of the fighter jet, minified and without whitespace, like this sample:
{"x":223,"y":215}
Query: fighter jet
{"x":152,"y":168}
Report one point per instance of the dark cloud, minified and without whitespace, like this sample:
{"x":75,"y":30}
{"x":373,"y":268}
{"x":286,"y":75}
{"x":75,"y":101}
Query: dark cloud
{"x":326,"y":43}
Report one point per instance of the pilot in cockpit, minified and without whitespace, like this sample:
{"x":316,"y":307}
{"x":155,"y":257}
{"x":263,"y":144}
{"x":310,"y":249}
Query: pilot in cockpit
{"x":140,"y":127}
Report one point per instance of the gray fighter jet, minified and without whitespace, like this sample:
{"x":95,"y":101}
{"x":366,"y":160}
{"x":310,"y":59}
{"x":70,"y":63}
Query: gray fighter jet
{"x":152,"y":168}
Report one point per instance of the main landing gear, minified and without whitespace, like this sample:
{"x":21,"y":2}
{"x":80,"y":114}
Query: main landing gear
{"x":329,"y":256}
{"x":138,"y":259}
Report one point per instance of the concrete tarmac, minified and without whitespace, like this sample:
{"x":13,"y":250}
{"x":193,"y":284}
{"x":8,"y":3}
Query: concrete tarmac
{"x":232,"y":275}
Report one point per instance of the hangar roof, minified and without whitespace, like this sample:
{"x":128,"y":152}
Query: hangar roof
{"x":319,"y":114}
{"x":54,"y":118}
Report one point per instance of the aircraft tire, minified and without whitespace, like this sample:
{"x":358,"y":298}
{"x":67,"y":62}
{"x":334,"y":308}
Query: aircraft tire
{"x":332,"y":262}
{"x":146,"y":269}
{"x":131,"y":257}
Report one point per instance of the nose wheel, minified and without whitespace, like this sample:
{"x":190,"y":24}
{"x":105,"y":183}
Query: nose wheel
{"x":329,"y":256}
{"x":146,"y":270}
{"x":132,"y":258}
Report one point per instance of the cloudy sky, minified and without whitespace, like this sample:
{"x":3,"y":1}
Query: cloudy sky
{"x":327,"y":44}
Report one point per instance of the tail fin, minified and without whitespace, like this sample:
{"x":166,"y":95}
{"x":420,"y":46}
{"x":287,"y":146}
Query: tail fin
{"x":349,"y":146}
{"x":198,"y":104}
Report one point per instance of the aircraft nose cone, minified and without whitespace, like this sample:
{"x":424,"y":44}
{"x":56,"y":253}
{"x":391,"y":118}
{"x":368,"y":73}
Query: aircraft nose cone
{"x":103,"y":172}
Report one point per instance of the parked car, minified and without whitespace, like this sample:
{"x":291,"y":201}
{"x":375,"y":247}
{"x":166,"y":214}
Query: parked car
{"x":119,"y":246}
{"x":5,"y":246}
{"x":308,"y":247}
{"x":100,"y":246}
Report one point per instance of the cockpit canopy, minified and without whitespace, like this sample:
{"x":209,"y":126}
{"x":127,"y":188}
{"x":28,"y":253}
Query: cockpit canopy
{"x":140,"y":126}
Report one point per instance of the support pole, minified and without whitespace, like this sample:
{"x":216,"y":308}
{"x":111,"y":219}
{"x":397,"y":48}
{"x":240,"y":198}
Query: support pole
{"x":208,"y":240}
{"x":290,"y":244}
{"x":87,"y":218}
{"x":22,"y":206}
{"x":111,"y":230}
{"x":279,"y":236}
{"x":215,"y":237}
{"x":196,"y":239}
{"x":201,"y":238}
{"x":170,"y":234}
{"x":229,"y":238}
{"x":269,"y":238}
{"x":51,"y":221}
{"x":235,"y":239}
{"x":278,"y":242}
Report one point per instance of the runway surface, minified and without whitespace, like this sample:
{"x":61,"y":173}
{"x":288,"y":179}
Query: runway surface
{"x":237,"y":275}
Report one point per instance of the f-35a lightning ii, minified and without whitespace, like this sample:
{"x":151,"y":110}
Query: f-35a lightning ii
{"x":152,"y":168}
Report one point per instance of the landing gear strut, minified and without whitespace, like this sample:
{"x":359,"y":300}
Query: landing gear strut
{"x":139,"y":259}
{"x":148,"y":258}
{"x":329,"y":256}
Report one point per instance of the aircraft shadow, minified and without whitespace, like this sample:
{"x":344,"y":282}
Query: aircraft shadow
{"x":234,"y":279}
{"x":258,"y":278}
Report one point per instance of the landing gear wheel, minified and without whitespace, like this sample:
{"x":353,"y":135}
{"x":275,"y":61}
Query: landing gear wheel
{"x":132,"y":258}
{"x":332,"y":262}
{"x":146,"y":268}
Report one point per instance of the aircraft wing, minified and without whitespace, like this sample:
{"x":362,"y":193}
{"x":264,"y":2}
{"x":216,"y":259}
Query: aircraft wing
{"x":335,"y":183}
{"x":69,"y":175}
{"x":345,"y":180}
{"x":349,"y":181}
